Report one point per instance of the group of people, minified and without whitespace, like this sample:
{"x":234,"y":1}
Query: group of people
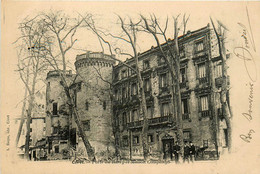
{"x":189,"y":152}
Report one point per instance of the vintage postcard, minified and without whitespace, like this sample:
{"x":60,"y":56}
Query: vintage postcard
{"x":128,"y":86}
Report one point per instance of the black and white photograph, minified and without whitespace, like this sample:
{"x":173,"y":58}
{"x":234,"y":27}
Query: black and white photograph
{"x":129,"y":86}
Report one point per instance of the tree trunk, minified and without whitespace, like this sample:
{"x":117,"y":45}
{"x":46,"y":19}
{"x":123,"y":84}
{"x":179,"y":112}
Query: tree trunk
{"x":224,"y":86}
{"x":22,"y":119}
{"x":177,"y":90}
{"x":82,"y":134}
{"x":28,"y":122}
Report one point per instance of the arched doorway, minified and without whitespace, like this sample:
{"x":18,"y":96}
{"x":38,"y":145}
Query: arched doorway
{"x":167,"y":142}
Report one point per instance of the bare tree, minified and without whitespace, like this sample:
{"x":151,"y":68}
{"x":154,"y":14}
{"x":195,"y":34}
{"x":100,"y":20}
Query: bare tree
{"x":58,"y":31}
{"x":129,"y":37}
{"x":224,"y":91}
{"x":63,"y":29}
{"x":169,"y":51}
{"x":30,"y":66}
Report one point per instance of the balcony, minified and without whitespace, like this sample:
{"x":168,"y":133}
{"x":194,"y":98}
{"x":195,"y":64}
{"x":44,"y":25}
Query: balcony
{"x":160,"y":120}
{"x":151,"y":122}
{"x":164,"y":89}
{"x":203,"y":80}
{"x":205,"y":113}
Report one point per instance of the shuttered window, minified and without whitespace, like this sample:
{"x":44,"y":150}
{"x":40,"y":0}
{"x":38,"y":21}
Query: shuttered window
{"x":204,"y":103}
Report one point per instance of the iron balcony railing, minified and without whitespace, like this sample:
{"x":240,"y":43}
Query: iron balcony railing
{"x":152,"y":121}
{"x":205,"y":113}
{"x":203,"y":80}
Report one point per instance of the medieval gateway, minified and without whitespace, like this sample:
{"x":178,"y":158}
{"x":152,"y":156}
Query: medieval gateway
{"x":106,"y":97}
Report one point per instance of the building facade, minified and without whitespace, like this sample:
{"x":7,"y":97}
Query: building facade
{"x":201,"y":74}
{"x":106,"y":97}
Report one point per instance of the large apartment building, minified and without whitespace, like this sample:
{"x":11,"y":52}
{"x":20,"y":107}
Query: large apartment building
{"x":111,"y":114}
{"x":201,"y":73}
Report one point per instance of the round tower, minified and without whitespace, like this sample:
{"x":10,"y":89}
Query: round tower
{"x":57,"y":116}
{"x":93,"y":100}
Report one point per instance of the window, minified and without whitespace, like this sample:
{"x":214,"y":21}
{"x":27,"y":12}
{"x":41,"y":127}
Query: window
{"x":124,"y":118}
{"x":186,"y":136}
{"x":163,"y":80}
{"x":182,"y":52}
{"x":86,"y":125}
{"x":146,"y":64}
{"x":165,"y":109}
{"x":104,"y":105}
{"x":132,"y":71}
{"x":134,"y":115}
{"x":149,"y":112}
{"x":124,"y":74}
{"x":218,"y":69}
{"x":204,"y":106}
{"x":124,"y":92}
{"x":147,"y":85}
{"x":185,"y":110}
{"x":116,"y":94}
{"x":55,"y":130}
{"x":87,"y":105}
{"x":125,"y":141}
{"x":30,"y":129}
{"x":55,"y":108}
{"x":30,"y":120}
{"x":56,"y":149}
{"x":202,"y":70}
{"x":161,"y":60}
{"x":116,"y":76}
{"x":199,"y":46}
{"x":150,"y":139}
{"x":135,"y":139}
{"x":182,"y":75}
{"x":134,"y":89}
{"x":205,"y":143}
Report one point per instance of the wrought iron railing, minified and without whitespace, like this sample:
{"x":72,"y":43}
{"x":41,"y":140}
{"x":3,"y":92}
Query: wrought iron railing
{"x":152,"y":121}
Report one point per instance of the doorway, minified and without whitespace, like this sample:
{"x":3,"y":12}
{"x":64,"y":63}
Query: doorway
{"x":167,"y":142}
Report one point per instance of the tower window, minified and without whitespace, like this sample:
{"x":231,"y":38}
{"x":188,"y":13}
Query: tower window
{"x":55,"y":108}
{"x":87,"y":105}
{"x":104,"y":105}
{"x":150,"y":139}
{"x":136,"y":139}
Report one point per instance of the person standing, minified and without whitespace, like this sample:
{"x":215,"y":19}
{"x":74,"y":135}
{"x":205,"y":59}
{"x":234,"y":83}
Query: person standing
{"x":176,"y":151}
{"x":192,"y":152}
{"x":186,"y":152}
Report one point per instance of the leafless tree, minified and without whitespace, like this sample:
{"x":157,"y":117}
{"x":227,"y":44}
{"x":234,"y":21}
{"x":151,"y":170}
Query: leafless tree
{"x":169,"y":50}
{"x":58,"y":32}
{"x":220,"y":33}
{"x":31,"y":65}
{"x":129,"y":30}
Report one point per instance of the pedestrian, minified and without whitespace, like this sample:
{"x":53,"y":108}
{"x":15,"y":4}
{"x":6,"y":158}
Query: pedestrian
{"x":186,"y":152}
{"x":176,"y":151}
{"x":192,"y":152}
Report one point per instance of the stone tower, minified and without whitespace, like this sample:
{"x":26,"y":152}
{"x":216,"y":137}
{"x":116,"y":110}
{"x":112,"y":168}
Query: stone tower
{"x":93,"y":100}
{"x":57,"y":115}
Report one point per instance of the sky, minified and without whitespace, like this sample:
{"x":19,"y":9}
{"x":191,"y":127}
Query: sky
{"x":229,"y":13}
